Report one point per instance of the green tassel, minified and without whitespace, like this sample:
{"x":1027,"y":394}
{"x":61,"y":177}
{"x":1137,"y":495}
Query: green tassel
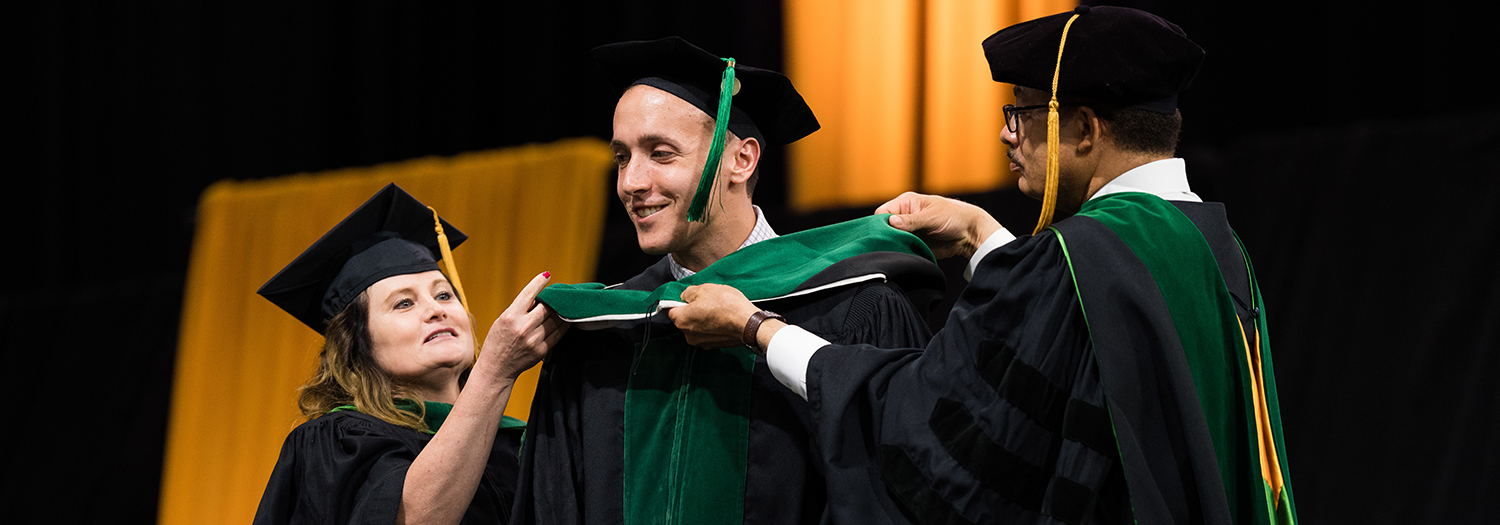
{"x":697,"y":211}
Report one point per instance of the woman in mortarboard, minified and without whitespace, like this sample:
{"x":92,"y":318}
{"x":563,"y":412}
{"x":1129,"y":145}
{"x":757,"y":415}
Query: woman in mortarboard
{"x":405,"y":412}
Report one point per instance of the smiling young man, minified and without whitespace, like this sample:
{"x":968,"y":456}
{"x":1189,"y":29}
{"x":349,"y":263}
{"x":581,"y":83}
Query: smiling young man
{"x":1113,"y":367}
{"x":630,"y":424}
{"x":661,"y":143}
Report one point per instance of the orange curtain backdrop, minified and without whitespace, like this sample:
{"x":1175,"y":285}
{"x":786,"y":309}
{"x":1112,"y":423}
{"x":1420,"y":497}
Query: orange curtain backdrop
{"x":240,"y":359}
{"x":854,"y":62}
{"x":904,"y":95}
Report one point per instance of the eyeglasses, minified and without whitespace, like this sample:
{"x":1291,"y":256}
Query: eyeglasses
{"x":1011,"y":111}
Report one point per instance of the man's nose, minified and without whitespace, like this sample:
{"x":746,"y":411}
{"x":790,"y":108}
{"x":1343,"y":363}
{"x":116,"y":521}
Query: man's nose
{"x":633,"y":177}
{"x":1008,"y":137}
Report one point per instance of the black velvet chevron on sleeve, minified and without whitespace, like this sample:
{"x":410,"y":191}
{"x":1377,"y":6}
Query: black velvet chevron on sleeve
{"x":1000,"y":418}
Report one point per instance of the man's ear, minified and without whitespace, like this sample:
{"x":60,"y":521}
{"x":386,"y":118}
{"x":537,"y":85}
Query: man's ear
{"x":743,"y":157}
{"x":1090,"y":130}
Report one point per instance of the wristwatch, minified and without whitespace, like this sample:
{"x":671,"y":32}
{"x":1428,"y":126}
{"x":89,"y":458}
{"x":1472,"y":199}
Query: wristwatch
{"x":752,"y":328}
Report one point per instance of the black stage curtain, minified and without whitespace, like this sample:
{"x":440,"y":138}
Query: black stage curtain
{"x":1351,"y":146}
{"x":1375,"y":243}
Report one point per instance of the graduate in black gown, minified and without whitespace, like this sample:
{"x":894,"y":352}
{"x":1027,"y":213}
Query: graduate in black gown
{"x":1113,"y":367}
{"x":405,"y":412}
{"x":631,"y":425}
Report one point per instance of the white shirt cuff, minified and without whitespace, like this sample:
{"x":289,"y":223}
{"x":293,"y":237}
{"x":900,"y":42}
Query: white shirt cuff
{"x":1001,"y":237}
{"x":788,"y":354}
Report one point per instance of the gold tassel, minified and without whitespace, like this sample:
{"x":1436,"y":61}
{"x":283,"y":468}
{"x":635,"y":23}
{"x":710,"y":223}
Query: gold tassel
{"x":451,"y":269}
{"x":1049,"y":194}
{"x":1270,"y":461}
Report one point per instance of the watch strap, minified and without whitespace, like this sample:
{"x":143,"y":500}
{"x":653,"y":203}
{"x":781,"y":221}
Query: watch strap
{"x":752,"y":329}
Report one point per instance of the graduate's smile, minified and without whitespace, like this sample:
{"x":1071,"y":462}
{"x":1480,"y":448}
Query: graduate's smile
{"x":659,"y":144}
{"x":644,"y":212}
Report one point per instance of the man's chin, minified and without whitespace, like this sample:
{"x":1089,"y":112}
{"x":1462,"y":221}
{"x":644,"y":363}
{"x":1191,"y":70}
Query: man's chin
{"x":650,"y":246}
{"x":1027,"y":189}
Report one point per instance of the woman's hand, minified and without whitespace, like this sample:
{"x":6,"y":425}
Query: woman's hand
{"x":524,"y":333}
{"x":714,"y":317}
{"x":442,"y":479}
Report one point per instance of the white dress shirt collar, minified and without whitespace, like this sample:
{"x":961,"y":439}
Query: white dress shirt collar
{"x":1166,"y":178}
{"x":762,"y":231}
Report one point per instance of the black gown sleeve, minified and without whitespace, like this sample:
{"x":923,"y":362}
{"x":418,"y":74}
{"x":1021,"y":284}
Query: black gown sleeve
{"x":339,"y":468}
{"x":784,"y":480}
{"x":997,"y":419}
{"x":348,"y":467}
{"x":880,"y":315}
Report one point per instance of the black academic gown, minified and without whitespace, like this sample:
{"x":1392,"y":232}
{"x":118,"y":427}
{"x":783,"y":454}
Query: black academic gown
{"x":348,"y":467}
{"x":571,"y":465}
{"x":1003,"y":419}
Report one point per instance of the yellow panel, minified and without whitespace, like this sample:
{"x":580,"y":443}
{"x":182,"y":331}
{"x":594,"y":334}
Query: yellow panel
{"x":961,"y":144}
{"x":854,"y":64}
{"x":240,"y":359}
{"x":962,"y":151}
{"x":858,"y":66}
{"x":1029,"y":9}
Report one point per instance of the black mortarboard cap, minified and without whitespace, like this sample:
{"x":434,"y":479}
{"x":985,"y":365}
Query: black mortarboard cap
{"x":390,"y":234}
{"x":766,"y":105}
{"x":1114,"y":55}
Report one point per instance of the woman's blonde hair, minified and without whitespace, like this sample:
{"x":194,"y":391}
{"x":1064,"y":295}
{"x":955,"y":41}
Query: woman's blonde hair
{"x":348,"y":374}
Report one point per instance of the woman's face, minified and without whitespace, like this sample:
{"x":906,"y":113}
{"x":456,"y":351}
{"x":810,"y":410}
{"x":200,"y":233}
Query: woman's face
{"x":420,"y":332}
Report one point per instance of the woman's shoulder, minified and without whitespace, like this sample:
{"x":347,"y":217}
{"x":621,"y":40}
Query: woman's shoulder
{"x":325,"y":460}
{"x":347,"y":424}
{"x":331,"y":439}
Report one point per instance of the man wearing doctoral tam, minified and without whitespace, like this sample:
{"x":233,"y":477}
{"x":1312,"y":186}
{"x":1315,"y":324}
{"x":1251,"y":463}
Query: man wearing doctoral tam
{"x":1113,"y":367}
{"x":629,"y":423}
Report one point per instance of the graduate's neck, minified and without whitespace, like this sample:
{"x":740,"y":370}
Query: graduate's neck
{"x":1113,"y":163}
{"x":726,"y":231}
{"x":445,"y":392}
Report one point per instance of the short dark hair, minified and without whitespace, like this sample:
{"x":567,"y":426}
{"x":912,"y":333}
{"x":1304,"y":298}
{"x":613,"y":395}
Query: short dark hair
{"x":750,"y":183}
{"x":1134,"y":129}
{"x":1139,"y":130}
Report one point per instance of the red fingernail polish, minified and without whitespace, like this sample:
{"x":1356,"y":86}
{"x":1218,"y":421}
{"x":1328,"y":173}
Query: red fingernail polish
{"x":547,"y":275}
